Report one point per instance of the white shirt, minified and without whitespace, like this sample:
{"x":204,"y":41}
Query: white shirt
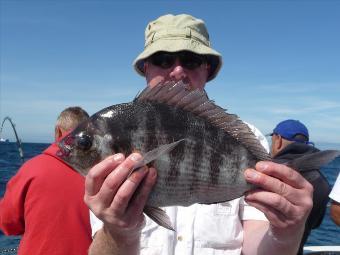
{"x":335,"y":193}
{"x":214,"y":229}
{"x":199,"y":229}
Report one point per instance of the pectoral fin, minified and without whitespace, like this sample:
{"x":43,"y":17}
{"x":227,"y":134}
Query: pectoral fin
{"x":156,"y":153}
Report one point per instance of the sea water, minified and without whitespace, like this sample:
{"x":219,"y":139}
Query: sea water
{"x":327,"y":234}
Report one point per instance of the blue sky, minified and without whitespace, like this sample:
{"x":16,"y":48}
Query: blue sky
{"x":281,"y":59}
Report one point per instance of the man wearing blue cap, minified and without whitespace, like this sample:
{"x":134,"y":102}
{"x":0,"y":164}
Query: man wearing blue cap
{"x":290,"y":140}
{"x":287,"y":132}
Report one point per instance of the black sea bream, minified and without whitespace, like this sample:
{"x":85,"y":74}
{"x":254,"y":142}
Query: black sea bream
{"x":198,"y":149}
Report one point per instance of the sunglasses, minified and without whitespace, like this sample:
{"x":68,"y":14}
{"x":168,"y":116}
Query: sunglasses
{"x":187,"y":59}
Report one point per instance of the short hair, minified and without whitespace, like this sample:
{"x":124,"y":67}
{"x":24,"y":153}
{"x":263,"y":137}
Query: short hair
{"x":71,"y":117}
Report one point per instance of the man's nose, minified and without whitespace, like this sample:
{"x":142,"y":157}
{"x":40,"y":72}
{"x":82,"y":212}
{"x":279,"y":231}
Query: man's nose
{"x":178,"y":72}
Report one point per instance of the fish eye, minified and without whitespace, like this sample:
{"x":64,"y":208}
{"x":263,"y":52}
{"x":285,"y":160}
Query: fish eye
{"x":84,"y":142}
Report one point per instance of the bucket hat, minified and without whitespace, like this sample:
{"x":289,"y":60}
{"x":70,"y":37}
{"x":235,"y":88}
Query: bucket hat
{"x":173,"y":33}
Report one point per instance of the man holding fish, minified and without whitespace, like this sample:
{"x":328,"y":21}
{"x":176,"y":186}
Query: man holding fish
{"x":177,"y":48}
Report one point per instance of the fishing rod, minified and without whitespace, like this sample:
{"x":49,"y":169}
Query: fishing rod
{"x":21,"y":152}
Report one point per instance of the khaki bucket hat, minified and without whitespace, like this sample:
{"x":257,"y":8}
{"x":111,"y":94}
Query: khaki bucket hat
{"x":173,"y":33}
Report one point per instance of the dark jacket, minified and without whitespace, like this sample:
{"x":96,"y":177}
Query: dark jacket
{"x":320,"y":185}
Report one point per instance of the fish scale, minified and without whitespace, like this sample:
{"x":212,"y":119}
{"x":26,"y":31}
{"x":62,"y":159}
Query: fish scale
{"x":199,"y":150}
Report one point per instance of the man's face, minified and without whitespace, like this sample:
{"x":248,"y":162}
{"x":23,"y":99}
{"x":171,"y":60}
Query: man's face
{"x":189,"y":67}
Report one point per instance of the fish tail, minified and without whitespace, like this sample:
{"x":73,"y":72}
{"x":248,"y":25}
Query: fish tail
{"x":308,"y":164}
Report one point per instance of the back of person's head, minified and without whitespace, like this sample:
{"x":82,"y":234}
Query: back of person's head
{"x":175,"y":33}
{"x":287,"y":132}
{"x":69,"y":119}
{"x":292,"y":130}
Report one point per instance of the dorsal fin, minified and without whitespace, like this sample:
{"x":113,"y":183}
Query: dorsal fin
{"x":196,"y":101}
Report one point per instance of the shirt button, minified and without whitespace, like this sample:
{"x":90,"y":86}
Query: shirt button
{"x":180,"y":238}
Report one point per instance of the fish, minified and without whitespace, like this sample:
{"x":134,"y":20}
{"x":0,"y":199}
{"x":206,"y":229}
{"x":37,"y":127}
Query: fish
{"x":200,"y":151}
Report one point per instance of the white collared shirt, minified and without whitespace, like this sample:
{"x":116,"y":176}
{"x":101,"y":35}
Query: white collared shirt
{"x":335,"y":193}
{"x":199,"y":229}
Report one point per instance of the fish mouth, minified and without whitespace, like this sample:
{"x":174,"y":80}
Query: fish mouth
{"x":65,"y":147}
{"x":64,"y":151}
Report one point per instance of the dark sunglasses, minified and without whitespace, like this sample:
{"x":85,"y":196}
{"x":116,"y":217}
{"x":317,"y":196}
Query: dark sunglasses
{"x":187,"y":59}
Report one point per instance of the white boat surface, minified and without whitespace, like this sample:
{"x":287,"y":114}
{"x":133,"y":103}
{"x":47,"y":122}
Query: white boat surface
{"x":330,"y":250}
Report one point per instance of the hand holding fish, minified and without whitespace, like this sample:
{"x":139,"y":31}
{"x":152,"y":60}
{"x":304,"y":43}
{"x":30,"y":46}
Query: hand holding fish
{"x":110,"y":194}
{"x":285,"y":197}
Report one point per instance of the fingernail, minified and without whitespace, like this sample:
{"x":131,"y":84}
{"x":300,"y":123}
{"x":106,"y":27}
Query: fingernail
{"x":118,"y":157}
{"x":136,"y":157}
{"x":246,"y":197}
{"x":153,"y":173}
{"x":262,"y":166}
{"x":251,"y":174}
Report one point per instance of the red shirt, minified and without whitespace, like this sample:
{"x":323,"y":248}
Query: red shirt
{"x":44,"y":203}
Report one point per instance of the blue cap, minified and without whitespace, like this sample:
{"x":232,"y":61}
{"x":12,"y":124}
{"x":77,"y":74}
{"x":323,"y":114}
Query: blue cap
{"x":288,"y":129}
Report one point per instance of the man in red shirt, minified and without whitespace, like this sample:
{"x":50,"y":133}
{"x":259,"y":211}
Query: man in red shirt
{"x":43,"y":202}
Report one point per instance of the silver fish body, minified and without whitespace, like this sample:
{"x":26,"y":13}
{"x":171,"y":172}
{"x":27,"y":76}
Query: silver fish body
{"x":207,"y":167}
{"x":206,"y":148}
